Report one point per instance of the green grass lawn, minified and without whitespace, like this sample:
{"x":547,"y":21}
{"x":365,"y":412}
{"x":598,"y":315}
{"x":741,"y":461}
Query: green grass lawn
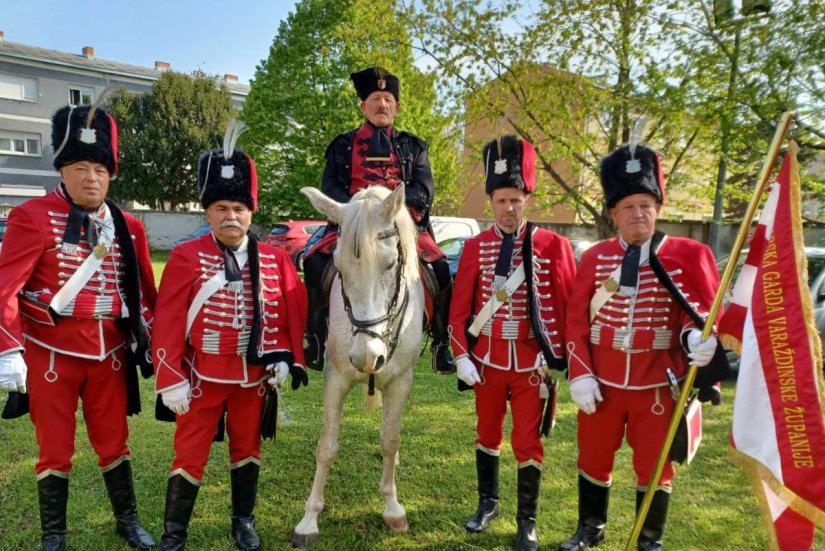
{"x":712,"y":508}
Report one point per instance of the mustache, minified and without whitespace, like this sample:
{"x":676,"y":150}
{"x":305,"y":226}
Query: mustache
{"x":231,"y":224}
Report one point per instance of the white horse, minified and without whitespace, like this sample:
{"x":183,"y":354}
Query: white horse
{"x":375,"y":331}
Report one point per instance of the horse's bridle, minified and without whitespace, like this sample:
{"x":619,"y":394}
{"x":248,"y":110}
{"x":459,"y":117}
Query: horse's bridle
{"x":392,"y":315}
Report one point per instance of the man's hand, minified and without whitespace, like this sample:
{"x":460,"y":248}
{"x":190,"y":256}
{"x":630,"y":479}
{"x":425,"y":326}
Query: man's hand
{"x":13,"y":372}
{"x":586,"y":394}
{"x":299,"y":376}
{"x":700,"y":352}
{"x":177,"y":399}
{"x":279,"y":372}
{"x":466,"y":371}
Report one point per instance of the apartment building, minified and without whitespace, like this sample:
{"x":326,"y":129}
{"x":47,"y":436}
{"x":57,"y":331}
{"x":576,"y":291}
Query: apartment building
{"x":34,"y":83}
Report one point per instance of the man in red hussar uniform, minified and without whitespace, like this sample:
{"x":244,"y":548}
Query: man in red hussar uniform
{"x":633,"y":321}
{"x":230,"y":321}
{"x":78,"y":270}
{"x":377,"y":153}
{"x":509,"y":297}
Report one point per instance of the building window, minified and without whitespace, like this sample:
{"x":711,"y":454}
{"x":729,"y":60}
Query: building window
{"x":19,"y":143}
{"x":81,"y":96}
{"x":18,"y":88}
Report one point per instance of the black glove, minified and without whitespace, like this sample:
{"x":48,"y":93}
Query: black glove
{"x":299,"y":375}
{"x":710,"y":394}
{"x":415,"y":198}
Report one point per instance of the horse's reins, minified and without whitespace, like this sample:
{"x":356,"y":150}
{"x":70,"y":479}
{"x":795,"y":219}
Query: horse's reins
{"x":392,"y":315}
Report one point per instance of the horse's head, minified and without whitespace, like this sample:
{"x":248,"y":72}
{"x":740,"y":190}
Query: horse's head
{"x":377,"y":259}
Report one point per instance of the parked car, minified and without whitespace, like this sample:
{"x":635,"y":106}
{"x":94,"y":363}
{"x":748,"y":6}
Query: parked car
{"x":292,"y":236}
{"x":579,"y":246}
{"x":445,"y":227}
{"x":816,"y":284}
{"x":199,"y":232}
{"x":452,"y":248}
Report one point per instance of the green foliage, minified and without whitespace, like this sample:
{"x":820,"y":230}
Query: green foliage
{"x":162,"y":134}
{"x":575,"y":77}
{"x":301,"y":98}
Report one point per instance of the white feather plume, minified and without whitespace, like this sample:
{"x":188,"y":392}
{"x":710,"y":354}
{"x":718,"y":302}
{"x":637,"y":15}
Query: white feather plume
{"x":234,"y":129}
{"x":636,"y":135}
{"x":103,"y":96}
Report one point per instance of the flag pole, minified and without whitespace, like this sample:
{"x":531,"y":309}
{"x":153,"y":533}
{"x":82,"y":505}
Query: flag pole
{"x":687,"y":383}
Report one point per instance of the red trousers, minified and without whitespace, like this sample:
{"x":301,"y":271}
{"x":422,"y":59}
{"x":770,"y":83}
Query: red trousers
{"x":195,"y":429}
{"x":644,"y":415}
{"x":526,"y":407}
{"x":55,"y":383}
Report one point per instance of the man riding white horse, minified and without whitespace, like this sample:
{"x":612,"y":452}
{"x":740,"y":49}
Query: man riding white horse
{"x":378,"y":154}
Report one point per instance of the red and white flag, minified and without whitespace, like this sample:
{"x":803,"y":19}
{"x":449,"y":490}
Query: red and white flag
{"x":778,"y":417}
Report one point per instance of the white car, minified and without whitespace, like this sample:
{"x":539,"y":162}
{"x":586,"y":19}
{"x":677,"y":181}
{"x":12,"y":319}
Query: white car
{"x":446,"y":227}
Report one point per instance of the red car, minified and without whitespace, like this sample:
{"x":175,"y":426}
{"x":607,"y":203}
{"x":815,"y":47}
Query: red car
{"x":292,"y":237}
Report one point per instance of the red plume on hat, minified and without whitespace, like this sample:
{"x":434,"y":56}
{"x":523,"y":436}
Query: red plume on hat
{"x":509,"y":162}
{"x":228,"y":173}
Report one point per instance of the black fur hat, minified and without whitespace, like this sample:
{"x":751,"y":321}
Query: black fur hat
{"x":632,"y":169}
{"x":228,"y":173}
{"x":375,"y":79}
{"x":76,"y":138}
{"x":509,"y":162}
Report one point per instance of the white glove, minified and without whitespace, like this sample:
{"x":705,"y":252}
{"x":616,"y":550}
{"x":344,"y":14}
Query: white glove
{"x":13,"y":372}
{"x":279,"y":371}
{"x":700,"y":353}
{"x":177,"y":399}
{"x":586,"y":394}
{"x":466,"y":371}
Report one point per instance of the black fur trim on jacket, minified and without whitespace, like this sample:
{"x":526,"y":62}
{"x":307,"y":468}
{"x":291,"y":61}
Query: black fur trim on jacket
{"x":252,"y":355}
{"x":719,"y":368}
{"x":553,"y":362}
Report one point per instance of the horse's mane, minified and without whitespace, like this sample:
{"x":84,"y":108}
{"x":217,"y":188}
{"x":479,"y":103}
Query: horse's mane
{"x":359,"y":229}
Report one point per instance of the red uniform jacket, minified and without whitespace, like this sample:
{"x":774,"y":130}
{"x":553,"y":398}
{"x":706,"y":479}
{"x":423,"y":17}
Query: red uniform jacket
{"x":507,"y":340}
{"x":32,"y":262}
{"x":344,"y":177}
{"x":634,"y":340}
{"x":215,"y":349}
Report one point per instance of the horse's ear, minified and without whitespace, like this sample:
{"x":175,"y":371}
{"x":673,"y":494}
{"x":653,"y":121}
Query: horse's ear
{"x":323,"y":204}
{"x":394,"y":202}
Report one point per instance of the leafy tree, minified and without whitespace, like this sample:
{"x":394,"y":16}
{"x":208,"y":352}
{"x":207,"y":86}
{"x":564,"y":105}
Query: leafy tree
{"x":749,"y":70}
{"x":161,"y":135}
{"x":576,"y":77}
{"x":301,"y":98}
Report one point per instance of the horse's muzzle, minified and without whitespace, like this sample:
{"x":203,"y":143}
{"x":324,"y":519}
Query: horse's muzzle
{"x":367,"y":354}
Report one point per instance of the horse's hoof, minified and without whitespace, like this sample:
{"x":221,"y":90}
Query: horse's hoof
{"x":398,"y":525}
{"x":302,"y":541}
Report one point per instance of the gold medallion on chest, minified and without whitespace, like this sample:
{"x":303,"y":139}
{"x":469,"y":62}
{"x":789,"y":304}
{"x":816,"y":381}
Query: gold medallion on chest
{"x":100,"y":251}
{"x":502,"y":295}
{"x":611,"y":285}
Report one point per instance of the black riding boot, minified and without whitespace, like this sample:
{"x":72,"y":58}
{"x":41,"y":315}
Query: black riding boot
{"x":529,"y":482}
{"x":316,"y":331}
{"x":244,"y":492}
{"x":53,"y":492}
{"x":593,"y":500}
{"x":121,"y":490}
{"x":443,"y":362}
{"x":487,"y":469}
{"x":180,"y":500}
{"x":654,"y":525}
